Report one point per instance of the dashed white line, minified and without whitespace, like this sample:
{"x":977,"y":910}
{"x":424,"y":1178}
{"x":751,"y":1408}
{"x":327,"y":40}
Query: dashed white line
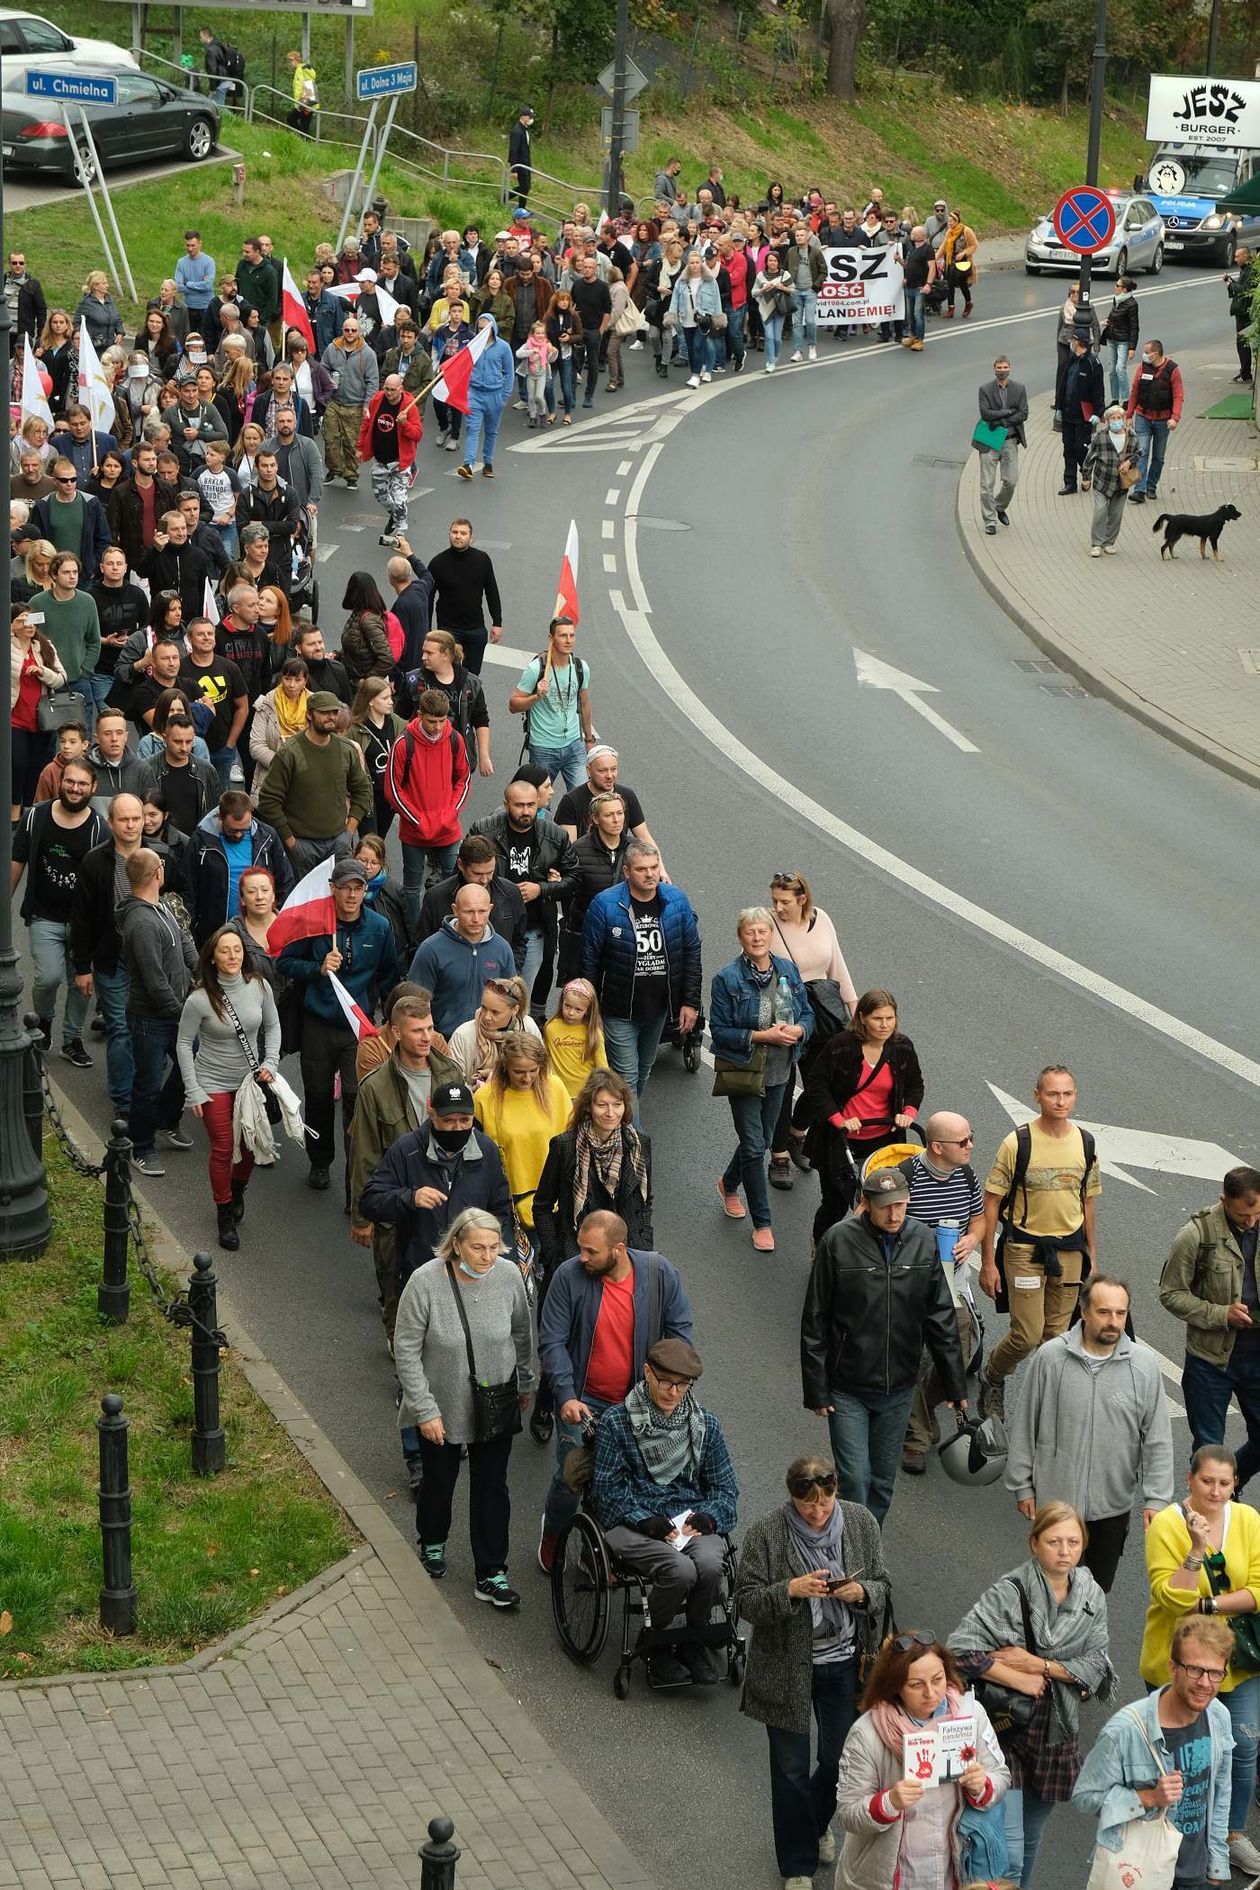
{"x":325,"y":552}
{"x":609,"y":527}
{"x":610,"y":563}
{"x":624,"y":468}
{"x":613,"y":495}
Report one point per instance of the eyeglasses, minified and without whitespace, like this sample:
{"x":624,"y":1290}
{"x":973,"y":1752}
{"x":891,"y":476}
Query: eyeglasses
{"x":959,"y":1141}
{"x":669,"y":1384}
{"x":904,"y":1642}
{"x":64,"y":479}
{"x":825,"y":1483}
{"x":1213,"y":1675}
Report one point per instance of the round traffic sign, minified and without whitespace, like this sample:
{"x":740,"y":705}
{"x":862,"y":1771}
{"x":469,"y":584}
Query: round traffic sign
{"x":1084,"y":219}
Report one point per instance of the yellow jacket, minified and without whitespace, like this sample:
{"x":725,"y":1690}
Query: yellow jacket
{"x":1167,"y":1545}
{"x":523,"y":1131}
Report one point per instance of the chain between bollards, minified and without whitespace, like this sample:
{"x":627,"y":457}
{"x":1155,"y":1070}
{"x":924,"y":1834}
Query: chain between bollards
{"x":113,"y":1295}
{"x":118,"y":1604}
{"x":209,"y":1446}
{"x":439,"y":1856}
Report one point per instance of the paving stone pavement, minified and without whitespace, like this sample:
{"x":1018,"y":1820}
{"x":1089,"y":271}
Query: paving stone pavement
{"x":1175,"y":643}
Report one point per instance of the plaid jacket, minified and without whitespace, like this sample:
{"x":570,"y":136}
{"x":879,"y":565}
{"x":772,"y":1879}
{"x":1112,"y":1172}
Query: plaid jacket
{"x":1102,"y":461}
{"x":623,"y":1492}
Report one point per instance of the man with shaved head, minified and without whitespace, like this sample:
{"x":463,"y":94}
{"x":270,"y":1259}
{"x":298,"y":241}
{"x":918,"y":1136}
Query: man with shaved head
{"x":388,"y":440}
{"x":946,"y":1195}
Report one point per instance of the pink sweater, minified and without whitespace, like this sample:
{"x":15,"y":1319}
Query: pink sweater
{"x":816,"y":950}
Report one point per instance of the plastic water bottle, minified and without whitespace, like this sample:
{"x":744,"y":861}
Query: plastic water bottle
{"x":784,"y":1009}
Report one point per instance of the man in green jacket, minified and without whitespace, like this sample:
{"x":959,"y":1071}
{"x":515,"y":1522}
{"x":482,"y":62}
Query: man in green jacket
{"x":73,"y":627}
{"x":256,"y":280}
{"x":1209,"y":1282}
{"x":309,"y":784}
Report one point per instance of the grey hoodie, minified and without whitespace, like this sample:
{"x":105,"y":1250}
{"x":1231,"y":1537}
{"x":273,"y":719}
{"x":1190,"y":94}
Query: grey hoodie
{"x":355,"y":371}
{"x":159,"y":957}
{"x":1092,"y":1438}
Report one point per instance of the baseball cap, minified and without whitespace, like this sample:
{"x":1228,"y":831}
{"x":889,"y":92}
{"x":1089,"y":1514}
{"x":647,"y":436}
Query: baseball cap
{"x":521,"y":216}
{"x":451,"y":1099}
{"x":597,"y":749}
{"x":676,"y":1357}
{"x":326,"y":702}
{"x":366,"y":275}
{"x":940,"y":204}
{"x":526,"y":111}
{"x":886,"y":1184}
{"x":501,"y":236}
{"x":346,"y":871}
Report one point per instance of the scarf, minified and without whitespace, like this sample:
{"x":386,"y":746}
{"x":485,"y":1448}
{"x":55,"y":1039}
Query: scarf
{"x":760,"y":978}
{"x":1073,"y":1631}
{"x":810,"y":1549}
{"x":892,"y":1722}
{"x":605,"y":1158}
{"x":488,"y":1043}
{"x":671,"y":1447}
{"x":290,"y":715}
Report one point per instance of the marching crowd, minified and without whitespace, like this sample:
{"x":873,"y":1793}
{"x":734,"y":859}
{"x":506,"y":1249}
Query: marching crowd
{"x":205,"y":798}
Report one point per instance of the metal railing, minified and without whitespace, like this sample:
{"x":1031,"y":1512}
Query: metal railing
{"x":189,"y":75}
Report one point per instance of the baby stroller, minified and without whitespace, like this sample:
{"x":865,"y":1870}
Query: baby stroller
{"x":961,"y":1274}
{"x":304,"y":585}
{"x":688,"y":1041}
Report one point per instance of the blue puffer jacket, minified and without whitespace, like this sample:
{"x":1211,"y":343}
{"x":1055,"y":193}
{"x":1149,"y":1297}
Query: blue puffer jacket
{"x":735,"y":1006}
{"x":369,"y":966}
{"x":494,"y":376}
{"x":608,"y":949}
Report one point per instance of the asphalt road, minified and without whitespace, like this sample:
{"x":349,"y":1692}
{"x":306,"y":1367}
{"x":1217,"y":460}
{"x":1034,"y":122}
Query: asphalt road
{"x":32,"y":195}
{"x":1070,"y":888}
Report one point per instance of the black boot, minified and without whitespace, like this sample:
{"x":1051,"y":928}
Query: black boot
{"x":229,"y":1239}
{"x":238,"y":1200}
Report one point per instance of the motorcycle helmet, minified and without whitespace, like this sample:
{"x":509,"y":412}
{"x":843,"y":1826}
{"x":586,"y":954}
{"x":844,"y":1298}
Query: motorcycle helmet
{"x":976,"y":1454}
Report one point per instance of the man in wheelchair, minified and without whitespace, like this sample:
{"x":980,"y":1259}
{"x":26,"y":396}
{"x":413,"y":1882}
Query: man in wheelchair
{"x":663,"y":1490}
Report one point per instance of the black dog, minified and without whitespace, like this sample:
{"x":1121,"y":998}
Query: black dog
{"x":1187,"y":525}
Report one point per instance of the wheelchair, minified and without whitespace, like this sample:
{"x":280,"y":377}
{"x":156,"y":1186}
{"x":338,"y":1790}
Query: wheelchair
{"x":583,"y":1580}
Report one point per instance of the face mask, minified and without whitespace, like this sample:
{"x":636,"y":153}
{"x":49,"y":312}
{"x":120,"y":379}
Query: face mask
{"x":1116,"y":429}
{"x":1148,"y":360}
{"x":469,"y":1273}
{"x":452,"y":1140}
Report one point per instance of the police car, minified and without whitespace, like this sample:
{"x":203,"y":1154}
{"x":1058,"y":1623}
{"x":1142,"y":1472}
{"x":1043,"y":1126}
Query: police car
{"x":1137,"y":244}
{"x":1186,"y":184}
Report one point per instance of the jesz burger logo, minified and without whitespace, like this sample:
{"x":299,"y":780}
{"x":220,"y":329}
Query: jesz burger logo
{"x":1210,"y":103}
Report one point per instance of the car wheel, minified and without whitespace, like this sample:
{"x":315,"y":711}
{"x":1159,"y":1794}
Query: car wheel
{"x":1228,"y":250}
{"x":199,"y":139}
{"x":1157,"y":260}
{"x":1122,"y":262}
{"x":83,"y":168}
{"x":1031,"y":269}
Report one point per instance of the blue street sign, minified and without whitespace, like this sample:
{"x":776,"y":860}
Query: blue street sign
{"x":386,"y":81}
{"x":72,"y":88}
{"x":1084,"y":219}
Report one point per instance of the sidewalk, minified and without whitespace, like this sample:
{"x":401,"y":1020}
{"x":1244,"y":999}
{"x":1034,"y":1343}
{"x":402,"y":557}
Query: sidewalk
{"x":310,"y":1749}
{"x":1174,"y":642}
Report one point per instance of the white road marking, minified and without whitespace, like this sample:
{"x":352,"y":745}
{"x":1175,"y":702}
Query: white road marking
{"x":875,"y":674}
{"x":612,"y":496}
{"x":609,"y":527}
{"x":324,"y":552}
{"x":610,"y":563}
{"x":1122,"y":1149}
{"x":507,"y":657}
{"x":624,"y":468}
{"x":495,"y":544}
{"x":634,"y":616}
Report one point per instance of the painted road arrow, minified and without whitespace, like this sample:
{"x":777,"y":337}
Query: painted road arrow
{"x":1121,"y":1149}
{"x":875,"y":674}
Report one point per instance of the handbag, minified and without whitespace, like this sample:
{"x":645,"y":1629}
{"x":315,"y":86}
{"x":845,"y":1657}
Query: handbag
{"x":271,"y":1104}
{"x":57,"y":709}
{"x":496,"y":1408}
{"x":1129,"y":474}
{"x":1010,"y":1711}
{"x":1147,"y":1854}
{"x":630,"y":321}
{"x":826,"y":1001}
{"x":1246,"y":1655}
{"x":741,"y":1079}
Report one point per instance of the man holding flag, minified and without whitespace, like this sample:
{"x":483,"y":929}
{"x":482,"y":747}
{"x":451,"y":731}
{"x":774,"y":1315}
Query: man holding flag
{"x":554,"y":698}
{"x":343,"y":956}
{"x":479,"y":382}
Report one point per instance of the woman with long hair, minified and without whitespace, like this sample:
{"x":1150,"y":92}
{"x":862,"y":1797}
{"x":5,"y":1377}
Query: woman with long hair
{"x":239,"y":387}
{"x":958,"y":263}
{"x":574,"y":1036}
{"x":229,"y":1004}
{"x":376,"y":728}
{"x":365,"y":645}
{"x":58,"y":353}
{"x":442,"y":667}
{"x":601,"y":1161}
{"x":864,"y":1089}
{"x":275,"y":620}
{"x":564,"y":332}
{"x":384,"y":894}
{"x":158,"y":345}
{"x":521,"y":1107}
{"x":808,"y":938}
{"x":173,"y":701}
{"x":166,"y":615}
{"x":279,"y":715}
{"x":502,"y":1014}
{"x":34,"y":667}
{"x":97,"y":311}
{"x":245,"y":454}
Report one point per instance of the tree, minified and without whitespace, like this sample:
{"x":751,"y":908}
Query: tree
{"x":847,"y":20}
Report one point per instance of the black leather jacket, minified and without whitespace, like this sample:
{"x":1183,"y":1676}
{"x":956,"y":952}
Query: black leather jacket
{"x":867,"y":1318}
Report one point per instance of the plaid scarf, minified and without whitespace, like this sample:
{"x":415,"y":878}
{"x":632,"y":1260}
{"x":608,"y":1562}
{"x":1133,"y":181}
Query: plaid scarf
{"x":605,"y":1158}
{"x":671,"y":1447}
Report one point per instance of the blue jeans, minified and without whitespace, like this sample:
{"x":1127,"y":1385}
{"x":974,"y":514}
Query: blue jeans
{"x":755,"y":1119}
{"x":1025,"y":1814}
{"x":1117,"y":354}
{"x":1152,"y":439}
{"x":916,"y":313}
{"x":483,"y":431}
{"x":570,"y":761}
{"x":440,"y":862}
{"x":157,"y":1097}
{"x":868,"y":1429}
{"x":735,"y":333}
{"x":803,"y":1802}
{"x":700,"y":350}
{"x":112,"y":988}
{"x":807,"y":309}
{"x":1207,"y":1390}
{"x":535,"y":943}
{"x":632,"y":1047}
{"x":50,"y":949}
{"x":223,"y":760}
{"x":772,"y":328}
{"x":1244,"y":1705}
{"x":562,"y":1502}
{"x":564,"y":371}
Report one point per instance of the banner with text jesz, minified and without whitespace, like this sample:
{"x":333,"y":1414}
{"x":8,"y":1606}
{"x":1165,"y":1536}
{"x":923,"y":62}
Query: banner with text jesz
{"x":863,"y":285}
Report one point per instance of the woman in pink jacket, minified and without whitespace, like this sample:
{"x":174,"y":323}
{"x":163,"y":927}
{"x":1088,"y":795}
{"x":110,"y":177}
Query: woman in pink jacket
{"x":426,"y":780}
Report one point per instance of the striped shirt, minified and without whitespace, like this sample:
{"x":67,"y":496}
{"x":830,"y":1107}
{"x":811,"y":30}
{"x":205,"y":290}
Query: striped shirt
{"x":956,"y":1196}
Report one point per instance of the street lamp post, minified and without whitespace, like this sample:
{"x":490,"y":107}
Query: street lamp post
{"x":25,"y":1226}
{"x":1098,"y":74}
{"x":617,"y":140}
{"x":1214,"y":28}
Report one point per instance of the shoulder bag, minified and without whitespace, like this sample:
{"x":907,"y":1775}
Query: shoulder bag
{"x":270,"y":1103}
{"x":56,"y":709}
{"x":741,"y":1079}
{"x":1129,"y":474}
{"x":826,"y":1001}
{"x":496,"y":1408}
{"x":1246,"y":1655}
{"x":1147,"y":1854}
{"x":1010,"y":1711}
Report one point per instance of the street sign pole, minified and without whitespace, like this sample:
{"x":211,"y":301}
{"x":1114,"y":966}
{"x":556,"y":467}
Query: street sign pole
{"x":352,"y":195}
{"x":1098,"y":77}
{"x":74,"y":92}
{"x":382,"y":142}
{"x":617,"y":141}
{"x":99,"y":176}
{"x":371,"y":85}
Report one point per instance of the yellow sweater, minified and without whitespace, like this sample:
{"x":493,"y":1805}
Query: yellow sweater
{"x":1167,"y":1545}
{"x":567,"y":1045}
{"x":523,"y":1134}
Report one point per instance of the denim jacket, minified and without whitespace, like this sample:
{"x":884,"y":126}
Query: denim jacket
{"x":1121,"y":1761}
{"x":735,"y":1007}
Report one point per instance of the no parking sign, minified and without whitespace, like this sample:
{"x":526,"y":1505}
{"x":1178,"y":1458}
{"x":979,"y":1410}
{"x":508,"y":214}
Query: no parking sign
{"x":1084,"y":219}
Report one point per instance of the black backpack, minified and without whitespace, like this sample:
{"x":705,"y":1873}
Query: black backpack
{"x":1023,"y":1155}
{"x":541,"y":659}
{"x":233,"y":62}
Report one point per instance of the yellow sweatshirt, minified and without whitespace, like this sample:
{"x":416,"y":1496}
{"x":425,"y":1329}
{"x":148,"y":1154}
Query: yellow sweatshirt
{"x":567,"y":1045}
{"x":523,"y":1133}
{"x":1167,"y":1545}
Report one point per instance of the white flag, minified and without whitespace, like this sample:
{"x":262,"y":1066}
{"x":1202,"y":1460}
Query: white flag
{"x":94,"y":391}
{"x":209,"y":603}
{"x":34,"y":399}
{"x":351,"y":291}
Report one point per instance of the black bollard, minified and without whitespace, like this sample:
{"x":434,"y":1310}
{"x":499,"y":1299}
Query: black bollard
{"x":118,"y":1595}
{"x":439,"y":1856}
{"x":209,"y":1446}
{"x":32,"y":1087}
{"x":113,"y":1295}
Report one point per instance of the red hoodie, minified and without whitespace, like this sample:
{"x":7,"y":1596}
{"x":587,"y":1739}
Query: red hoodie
{"x":427,"y":782}
{"x":409,"y":428}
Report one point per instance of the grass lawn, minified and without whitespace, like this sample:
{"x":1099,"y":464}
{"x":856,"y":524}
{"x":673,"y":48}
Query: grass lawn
{"x":208,"y":1554}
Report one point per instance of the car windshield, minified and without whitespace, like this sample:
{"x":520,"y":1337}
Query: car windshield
{"x":1207,"y":176}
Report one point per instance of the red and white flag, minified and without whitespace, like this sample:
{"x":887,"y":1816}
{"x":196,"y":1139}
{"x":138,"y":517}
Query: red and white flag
{"x":566,"y":590}
{"x":294,"y":310}
{"x":357,"y":1018}
{"x":456,"y":374}
{"x":307,"y":911}
{"x":34,"y":399}
{"x":351,"y":291}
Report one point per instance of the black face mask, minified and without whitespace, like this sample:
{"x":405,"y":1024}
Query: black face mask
{"x":451,"y":1140}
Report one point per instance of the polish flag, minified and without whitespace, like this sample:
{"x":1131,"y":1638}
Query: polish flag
{"x":307,"y":911}
{"x":453,"y":386}
{"x":293,"y":308}
{"x":357,"y":1018}
{"x":34,"y":399}
{"x":351,"y":291}
{"x":566,"y":590}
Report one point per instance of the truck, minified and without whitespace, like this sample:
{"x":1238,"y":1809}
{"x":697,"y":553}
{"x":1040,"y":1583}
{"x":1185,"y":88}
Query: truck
{"x":1186,"y":183}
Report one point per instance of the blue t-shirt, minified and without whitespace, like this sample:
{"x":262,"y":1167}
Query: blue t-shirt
{"x":1190,"y":1749}
{"x":240,"y":854}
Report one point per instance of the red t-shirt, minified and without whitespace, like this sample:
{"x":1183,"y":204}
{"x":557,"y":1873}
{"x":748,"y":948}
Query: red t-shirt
{"x":26,"y":708}
{"x":872,"y":1105}
{"x":610,"y":1369}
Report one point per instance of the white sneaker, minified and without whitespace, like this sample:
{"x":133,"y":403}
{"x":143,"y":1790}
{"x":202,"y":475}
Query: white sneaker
{"x":798,"y":1883}
{"x":769,"y":367}
{"x":520,"y":406}
{"x":827,"y":1848}
{"x":634,"y":347}
{"x":452,"y":445}
{"x":813,"y":355}
{"x":706,"y":376}
{"x":797,"y":356}
{"x":1244,"y":1856}
{"x":1109,"y":551}
{"x":693,"y":380}
{"x":1095,"y":551}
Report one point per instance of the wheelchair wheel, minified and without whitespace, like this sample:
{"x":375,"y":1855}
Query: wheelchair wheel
{"x":580,"y":1582}
{"x":621,"y":1683}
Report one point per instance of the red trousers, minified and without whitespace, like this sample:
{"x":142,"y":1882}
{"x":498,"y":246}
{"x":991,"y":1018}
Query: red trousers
{"x":216,"y":1120}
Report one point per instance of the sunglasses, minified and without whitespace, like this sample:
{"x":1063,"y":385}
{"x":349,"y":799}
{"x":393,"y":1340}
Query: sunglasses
{"x":61,"y":479}
{"x":802,"y":1486}
{"x":904,"y":1642}
{"x":792,"y":880}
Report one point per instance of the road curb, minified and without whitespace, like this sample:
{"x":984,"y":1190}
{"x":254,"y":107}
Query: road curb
{"x":1069,"y":658}
{"x":474,"y":1671}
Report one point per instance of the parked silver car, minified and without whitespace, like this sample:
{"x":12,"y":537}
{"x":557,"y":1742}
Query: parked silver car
{"x":1138,"y":242}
